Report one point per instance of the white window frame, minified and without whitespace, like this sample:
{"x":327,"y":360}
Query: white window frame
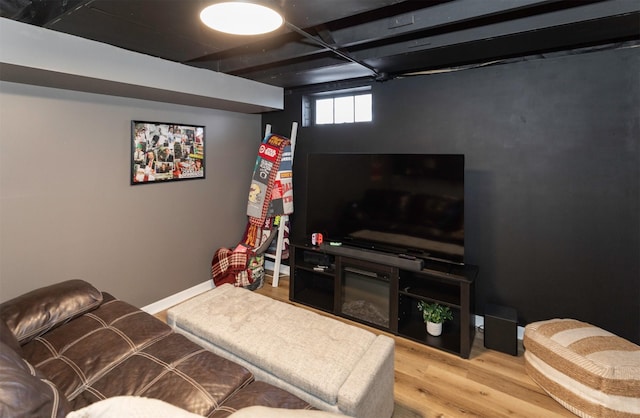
{"x":332,"y":96}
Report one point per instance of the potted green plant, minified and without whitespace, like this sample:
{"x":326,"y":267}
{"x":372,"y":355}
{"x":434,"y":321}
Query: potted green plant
{"x":434,"y":316}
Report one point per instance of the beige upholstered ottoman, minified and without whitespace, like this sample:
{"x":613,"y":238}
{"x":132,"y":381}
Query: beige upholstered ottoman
{"x":591,"y":372}
{"x":332,"y":365}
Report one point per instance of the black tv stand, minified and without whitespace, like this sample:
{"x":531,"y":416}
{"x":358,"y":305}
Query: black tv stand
{"x":393,"y":285}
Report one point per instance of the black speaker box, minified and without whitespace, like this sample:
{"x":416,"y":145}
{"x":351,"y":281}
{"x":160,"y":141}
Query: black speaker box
{"x":501,"y":329}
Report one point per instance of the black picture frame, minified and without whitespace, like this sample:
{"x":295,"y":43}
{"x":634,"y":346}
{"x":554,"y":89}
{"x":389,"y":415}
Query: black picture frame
{"x":163,"y":151}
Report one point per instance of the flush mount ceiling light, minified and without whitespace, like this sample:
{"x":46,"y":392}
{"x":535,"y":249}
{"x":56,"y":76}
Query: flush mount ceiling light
{"x":241,"y":18}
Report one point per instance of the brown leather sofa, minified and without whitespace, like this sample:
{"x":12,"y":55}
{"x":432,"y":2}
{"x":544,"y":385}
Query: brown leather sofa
{"x":69,"y":345}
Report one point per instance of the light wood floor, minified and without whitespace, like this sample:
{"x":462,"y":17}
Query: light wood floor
{"x":431,"y":383}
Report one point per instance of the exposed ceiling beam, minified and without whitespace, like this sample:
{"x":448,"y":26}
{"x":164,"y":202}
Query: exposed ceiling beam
{"x":417,"y":24}
{"x":579,"y":26}
{"x":616,"y":29}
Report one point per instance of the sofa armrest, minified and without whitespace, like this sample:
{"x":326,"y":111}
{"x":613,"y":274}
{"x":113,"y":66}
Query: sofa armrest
{"x":40,"y":310}
{"x":376,"y":367}
{"x":24,"y":392}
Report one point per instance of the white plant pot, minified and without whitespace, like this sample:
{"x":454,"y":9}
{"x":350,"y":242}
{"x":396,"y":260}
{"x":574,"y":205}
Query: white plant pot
{"x":434,"y":329}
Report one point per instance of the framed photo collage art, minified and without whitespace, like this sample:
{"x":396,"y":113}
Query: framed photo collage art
{"x":162,"y":152}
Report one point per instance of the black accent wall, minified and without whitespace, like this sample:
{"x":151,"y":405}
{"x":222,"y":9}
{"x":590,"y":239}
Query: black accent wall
{"x":552,"y":148}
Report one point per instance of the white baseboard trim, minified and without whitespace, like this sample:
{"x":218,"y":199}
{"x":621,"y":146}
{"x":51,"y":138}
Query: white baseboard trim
{"x":479,"y":321}
{"x":175,"y":299}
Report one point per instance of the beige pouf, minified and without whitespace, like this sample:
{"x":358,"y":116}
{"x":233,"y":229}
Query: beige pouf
{"x":591,"y":372}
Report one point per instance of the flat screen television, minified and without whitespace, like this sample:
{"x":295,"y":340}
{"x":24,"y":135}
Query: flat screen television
{"x":399,"y":203}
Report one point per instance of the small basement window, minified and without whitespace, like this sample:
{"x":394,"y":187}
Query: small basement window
{"x":338,"y":107}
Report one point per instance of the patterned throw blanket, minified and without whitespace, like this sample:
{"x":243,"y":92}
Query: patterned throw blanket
{"x":271,"y":189}
{"x":270,"y":195}
{"x":238,"y":268}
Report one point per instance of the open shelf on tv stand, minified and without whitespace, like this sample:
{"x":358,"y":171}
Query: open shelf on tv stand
{"x":409,"y":281}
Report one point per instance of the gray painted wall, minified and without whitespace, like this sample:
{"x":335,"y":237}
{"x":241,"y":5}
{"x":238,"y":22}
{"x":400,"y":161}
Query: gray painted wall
{"x":67,"y":209}
{"x":552,"y":175}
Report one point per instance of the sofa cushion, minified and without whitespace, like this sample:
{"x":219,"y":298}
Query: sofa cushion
{"x":24,"y":392}
{"x":40,"y":310}
{"x":172,"y":369}
{"x":76,"y":354}
{"x":118,"y":349}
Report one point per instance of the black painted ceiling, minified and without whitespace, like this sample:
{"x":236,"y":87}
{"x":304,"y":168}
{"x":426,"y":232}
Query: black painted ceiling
{"x":342,"y":39}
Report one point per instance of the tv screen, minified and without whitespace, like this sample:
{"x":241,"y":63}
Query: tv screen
{"x":400,"y":203}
